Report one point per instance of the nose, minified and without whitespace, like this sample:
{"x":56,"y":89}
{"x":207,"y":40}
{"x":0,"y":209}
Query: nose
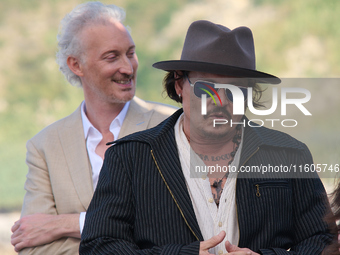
{"x":126,"y":66}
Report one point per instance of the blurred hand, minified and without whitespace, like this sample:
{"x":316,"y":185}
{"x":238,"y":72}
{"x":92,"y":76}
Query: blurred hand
{"x":39,"y":229}
{"x":234,"y":250}
{"x":212,"y":242}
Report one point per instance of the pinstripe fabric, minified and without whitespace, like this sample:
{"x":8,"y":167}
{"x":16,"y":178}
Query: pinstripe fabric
{"x":142,"y":206}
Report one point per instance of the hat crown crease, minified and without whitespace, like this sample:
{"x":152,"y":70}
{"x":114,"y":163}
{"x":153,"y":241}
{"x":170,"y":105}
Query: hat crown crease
{"x":219,"y":45}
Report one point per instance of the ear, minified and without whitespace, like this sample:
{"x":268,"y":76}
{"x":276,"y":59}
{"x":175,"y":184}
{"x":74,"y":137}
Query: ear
{"x":75,"y":65}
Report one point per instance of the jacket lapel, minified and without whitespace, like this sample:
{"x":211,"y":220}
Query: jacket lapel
{"x":166,"y":158}
{"x":137,"y":118}
{"x":73,"y":143}
{"x":251,"y":143}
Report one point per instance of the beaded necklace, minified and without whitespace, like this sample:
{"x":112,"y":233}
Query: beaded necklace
{"x":217,"y":183}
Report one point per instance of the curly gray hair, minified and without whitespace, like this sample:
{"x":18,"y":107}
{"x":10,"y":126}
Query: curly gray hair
{"x":72,"y":24}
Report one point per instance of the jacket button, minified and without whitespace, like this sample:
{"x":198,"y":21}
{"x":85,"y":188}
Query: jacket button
{"x":210,"y":200}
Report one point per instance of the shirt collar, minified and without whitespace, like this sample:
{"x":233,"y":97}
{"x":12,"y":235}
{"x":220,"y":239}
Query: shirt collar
{"x":118,"y":121}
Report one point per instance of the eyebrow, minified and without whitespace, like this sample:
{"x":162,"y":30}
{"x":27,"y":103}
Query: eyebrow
{"x":116,"y":51}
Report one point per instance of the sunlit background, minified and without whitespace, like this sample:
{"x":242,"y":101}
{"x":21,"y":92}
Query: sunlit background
{"x":293,"y":39}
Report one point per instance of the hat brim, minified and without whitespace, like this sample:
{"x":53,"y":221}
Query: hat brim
{"x":214,"y":68}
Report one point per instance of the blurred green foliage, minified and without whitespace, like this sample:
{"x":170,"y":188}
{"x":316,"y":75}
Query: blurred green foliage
{"x":33,"y":93}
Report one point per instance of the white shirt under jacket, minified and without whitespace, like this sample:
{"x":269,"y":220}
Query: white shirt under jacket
{"x":211,"y":219}
{"x":93,"y":138}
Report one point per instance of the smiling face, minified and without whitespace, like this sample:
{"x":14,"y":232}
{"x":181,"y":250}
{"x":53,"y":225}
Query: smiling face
{"x":200,"y":126}
{"x":109,"y":67}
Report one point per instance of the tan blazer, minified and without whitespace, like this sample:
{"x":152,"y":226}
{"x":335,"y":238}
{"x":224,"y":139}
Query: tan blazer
{"x":59,"y":179}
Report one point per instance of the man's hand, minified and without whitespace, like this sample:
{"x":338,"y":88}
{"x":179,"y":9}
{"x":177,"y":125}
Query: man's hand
{"x":39,"y":229}
{"x":234,"y":250}
{"x":212,"y":242}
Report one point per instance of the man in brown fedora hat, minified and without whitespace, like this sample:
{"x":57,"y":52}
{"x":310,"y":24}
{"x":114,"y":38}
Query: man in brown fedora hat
{"x":178,"y":188}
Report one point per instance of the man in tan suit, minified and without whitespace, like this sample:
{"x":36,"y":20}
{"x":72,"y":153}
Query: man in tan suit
{"x":97,"y":53}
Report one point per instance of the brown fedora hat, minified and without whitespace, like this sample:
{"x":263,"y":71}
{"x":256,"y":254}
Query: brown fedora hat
{"x":213,"y":48}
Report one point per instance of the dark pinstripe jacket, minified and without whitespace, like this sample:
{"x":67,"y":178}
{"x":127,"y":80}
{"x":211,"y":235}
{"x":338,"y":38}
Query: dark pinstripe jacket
{"x":142,"y":206}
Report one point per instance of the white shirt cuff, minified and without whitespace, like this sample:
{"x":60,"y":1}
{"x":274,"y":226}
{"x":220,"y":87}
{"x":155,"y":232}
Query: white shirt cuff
{"x":82,"y":221}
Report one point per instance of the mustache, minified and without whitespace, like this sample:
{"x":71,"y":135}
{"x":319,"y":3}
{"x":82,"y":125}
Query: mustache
{"x":219,"y":110}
